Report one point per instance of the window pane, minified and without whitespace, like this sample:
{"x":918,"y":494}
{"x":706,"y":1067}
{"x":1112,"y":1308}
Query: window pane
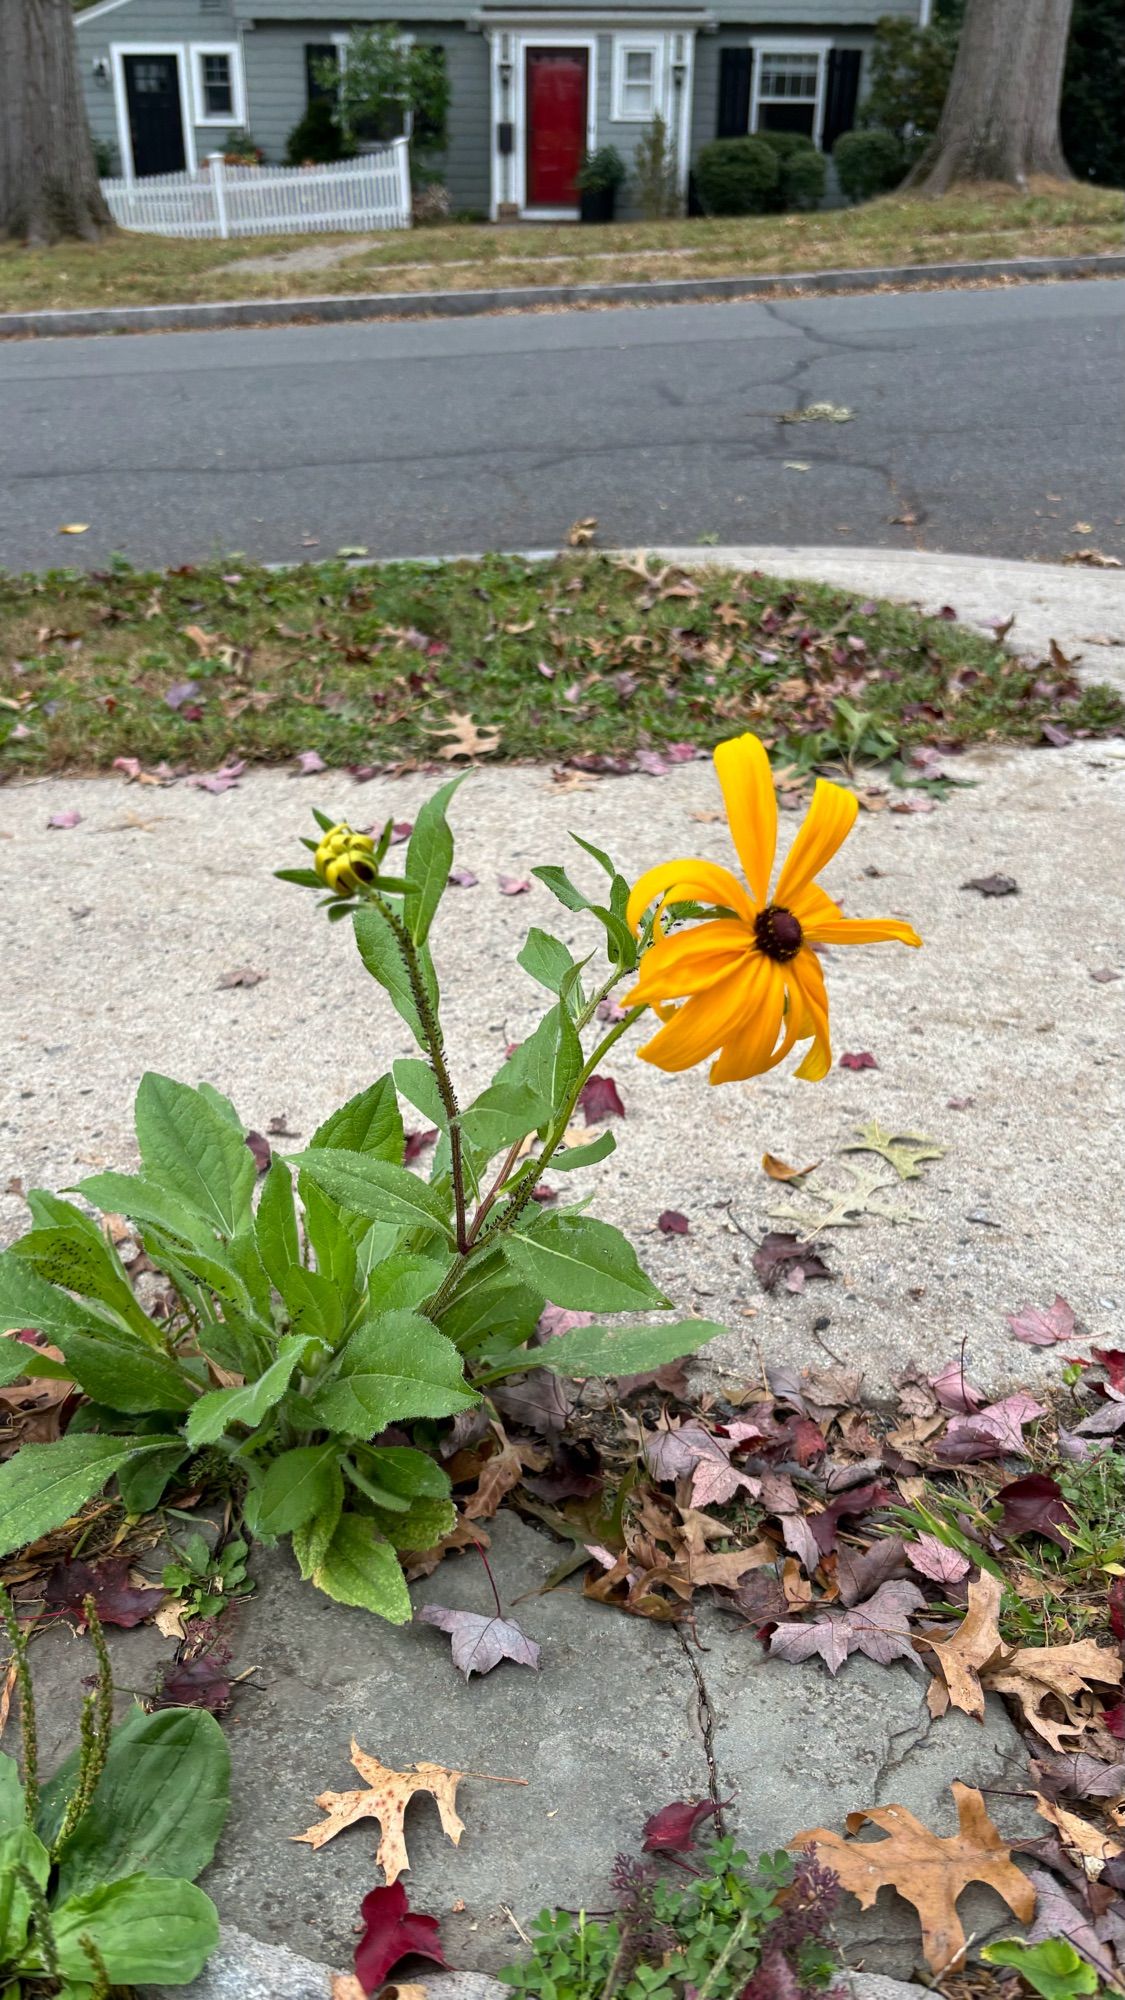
{"x":789,"y":76}
{"x":638,"y":66}
{"x":786,"y":118}
{"x":218,"y":92}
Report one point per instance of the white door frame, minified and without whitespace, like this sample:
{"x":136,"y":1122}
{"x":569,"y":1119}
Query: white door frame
{"x":511,"y":46}
{"x":117,"y":53}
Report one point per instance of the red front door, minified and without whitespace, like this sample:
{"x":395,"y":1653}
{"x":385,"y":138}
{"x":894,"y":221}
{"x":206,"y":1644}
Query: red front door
{"x":556,"y":125}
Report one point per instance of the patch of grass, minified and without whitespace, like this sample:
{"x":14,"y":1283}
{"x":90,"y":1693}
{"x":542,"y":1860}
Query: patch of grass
{"x":584,"y":654}
{"x":1053,"y":218}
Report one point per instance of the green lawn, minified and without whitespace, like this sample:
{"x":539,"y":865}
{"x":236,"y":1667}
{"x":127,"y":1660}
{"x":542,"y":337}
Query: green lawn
{"x":1058,"y":219}
{"x":584,"y":654}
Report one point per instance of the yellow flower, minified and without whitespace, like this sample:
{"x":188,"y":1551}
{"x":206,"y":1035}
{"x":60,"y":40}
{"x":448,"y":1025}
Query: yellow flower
{"x":345,"y":859}
{"x":750,"y":976}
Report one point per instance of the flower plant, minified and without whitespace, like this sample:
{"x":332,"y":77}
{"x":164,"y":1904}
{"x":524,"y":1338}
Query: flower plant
{"x":307,"y":1323}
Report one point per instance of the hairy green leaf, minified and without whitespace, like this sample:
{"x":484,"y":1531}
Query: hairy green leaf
{"x":582,"y":1265}
{"x":44,"y":1484}
{"x":193,"y":1148}
{"x":298,"y":1485}
{"x":215,"y":1412}
{"x":625,"y":1350}
{"x":429,"y":859}
{"x":381,"y":954}
{"x":375,"y":1188}
{"x":393,"y":1368}
{"x":357,"y":1568}
{"x":275,"y":1224}
{"x":368,"y":1123}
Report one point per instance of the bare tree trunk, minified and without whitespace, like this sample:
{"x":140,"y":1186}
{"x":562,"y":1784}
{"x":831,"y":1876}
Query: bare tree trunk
{"x":1001,"y":116}
{"x":48,"y":178}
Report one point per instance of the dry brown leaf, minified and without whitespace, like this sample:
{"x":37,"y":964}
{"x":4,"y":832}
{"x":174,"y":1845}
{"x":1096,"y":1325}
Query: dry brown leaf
{"x":1086,"y":1845}
{"x":778,"y":1171}
{"x":500,"y":1473}
{"x":974,"y":1646}
{"x":929,"y":1870}
{"x":1036,"y":1675}
{"x":423,"y":1562}
{"x":798,"y":1590}
{"x":169,"y":1620}
{"x":345,"y":1986}
{"x":726,"y":1570}
{"x":469,"y":740}
{"x":581,"y":533}
{"x":387,"y":1796}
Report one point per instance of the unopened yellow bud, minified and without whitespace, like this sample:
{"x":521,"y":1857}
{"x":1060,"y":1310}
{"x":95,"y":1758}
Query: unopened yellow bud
{"x":345,"y":860}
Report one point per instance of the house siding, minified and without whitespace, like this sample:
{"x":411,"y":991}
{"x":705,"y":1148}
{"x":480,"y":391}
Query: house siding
{"x":176,"y":23}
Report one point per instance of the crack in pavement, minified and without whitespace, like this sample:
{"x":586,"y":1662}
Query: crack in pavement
{"x":705,"y":1715}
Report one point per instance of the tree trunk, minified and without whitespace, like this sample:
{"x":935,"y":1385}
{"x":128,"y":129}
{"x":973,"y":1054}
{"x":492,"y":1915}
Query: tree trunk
{"x":48,"y":178}
{"x":1001,"y":115}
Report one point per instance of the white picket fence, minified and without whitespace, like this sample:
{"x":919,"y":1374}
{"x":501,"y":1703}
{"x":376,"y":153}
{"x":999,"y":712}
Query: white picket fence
{"x":371,"y":192}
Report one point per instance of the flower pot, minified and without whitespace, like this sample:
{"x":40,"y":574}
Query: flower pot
{"x":597,"y":204}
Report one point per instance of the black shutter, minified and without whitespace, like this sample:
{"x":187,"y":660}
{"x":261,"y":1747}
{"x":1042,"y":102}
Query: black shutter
{"x":734,"y":93}
{"x":840,"y":96}
{"x":317,"y":54}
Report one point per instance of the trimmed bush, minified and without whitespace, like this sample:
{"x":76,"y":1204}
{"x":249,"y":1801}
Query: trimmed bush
{"x":785,"y":144}
{"x":737,"y":176}
{"x":803,"y":179}
{"x":868,"y":163}
{"x":316,"y":139}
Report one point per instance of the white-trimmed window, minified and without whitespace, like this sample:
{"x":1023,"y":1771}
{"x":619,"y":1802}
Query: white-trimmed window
{"x":637,"y":80}
{"x":220,"y":98}
{"x":788,"y":90}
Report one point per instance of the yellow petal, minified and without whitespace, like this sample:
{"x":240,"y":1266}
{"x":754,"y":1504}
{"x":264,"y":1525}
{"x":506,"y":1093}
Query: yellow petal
{"x":805,"y":974}
{"x":825,"y":827}
{"x":751,"y":1049}
{"x":688,"y":882}
{"x":702,"y":1024}
{"x":691,"y":961}
{"x":860,"y":930}
{"x":744,"y":773}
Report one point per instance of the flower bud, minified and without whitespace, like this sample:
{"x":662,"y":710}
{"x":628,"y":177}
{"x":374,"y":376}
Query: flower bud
{"x":345,"y":860}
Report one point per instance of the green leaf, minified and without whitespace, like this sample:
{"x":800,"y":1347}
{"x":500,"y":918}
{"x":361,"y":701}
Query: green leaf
{"x":411,"y":1474}
{"x":375,"y":1188}
{"x":569,"y":1157}
{"x":315,"y":1305}
{"x":381,"y":954}
{"x":313,"y":1536}
{"x":491,"y":1302}
{"x":418,"y":1084}
{"x":625,"y":1350}
{"x":423,"y":1523}
{"x":223,"y":1106}
{"x":68,"y":1248}
{"x":297,"y":1486}
{"x":27,"y":1300}
{"x":503,"y":1113}
{"x":548,"y":1063}
{"x":44,"y":1484}
{"x":11,"y":1794}
{"x":429,"y":859}
{"x":334,"y":1237}
{"x":151,"y":1204}
{"x":305,"y":878}
{"x":357,"y":1568}
{"x":117,"y":1368}
{"x":581,"y":1265}
{"x":275,"y":1224}
{"x":148,"y":1931}
{"x":1052,"y":1967}
{"x":189,"y":1146}
{"x":394,"y":1368}
{"x":160,"y":1803}
{"x":599,"y":854}
{"x":369,"y":1123}
{"x":404,"y":1281}
{"x":20,"y":1849}
{"x":546,"y":959}
{"x":215,"y":1412}
{"x":142,"y":1483}
{"x":559,"y":883}
{"x":18,"y":1360}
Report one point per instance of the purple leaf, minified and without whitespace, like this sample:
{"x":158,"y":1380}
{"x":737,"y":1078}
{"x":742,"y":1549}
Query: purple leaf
{"x":555,"y":1319}
{"x":672,"y":1829}
{"x":116,"y":1600}
{"x":857,"y":1501}
{"x":860,"y":1572}
{"x":181,"y":691}
{"x":416,"y":1144}
{"x":1043,"y":1326}
{"x":693,"y":1451}
{"x":671,"y":1223}
{"x":240,"y":975}
{"x":991,"y":1432}
{"x":1035,"y":1505}
{"x":600,"y":1098}
{"x":480,"y":1642}
{"x":514,"y":885}
{"x":309,"y":762}
{"x":651,"y":764}
{"x":220,"y":780}
{"x":65,"y":819}
{"x":260,"y":1147}
{"x":933,"y":1559}
{"x":955,"y":1390}
{"x":880,"y":1628}
{"x":781,"y":1254}
{"x":993,"y":885}
{"x":863,"y":1060}
{"x":400,"y":831}
{"x":200,"y":1683}
{"x":462,"y":878}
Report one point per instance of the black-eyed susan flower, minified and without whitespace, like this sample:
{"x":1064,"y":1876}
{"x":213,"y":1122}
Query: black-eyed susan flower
{"x":747,"y":982}
{"x":345,"y":860}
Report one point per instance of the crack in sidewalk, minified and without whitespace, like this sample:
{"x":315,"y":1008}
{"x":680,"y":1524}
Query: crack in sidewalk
{"x":706,"y":1718}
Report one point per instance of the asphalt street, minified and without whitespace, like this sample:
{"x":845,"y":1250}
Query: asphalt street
{"x":987,"y":421}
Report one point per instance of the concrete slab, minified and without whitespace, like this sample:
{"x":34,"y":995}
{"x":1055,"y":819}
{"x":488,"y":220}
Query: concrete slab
{"x":114,"y":935}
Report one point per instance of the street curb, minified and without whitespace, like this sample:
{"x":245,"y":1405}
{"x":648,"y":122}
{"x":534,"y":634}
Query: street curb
{"x":457,"y":305}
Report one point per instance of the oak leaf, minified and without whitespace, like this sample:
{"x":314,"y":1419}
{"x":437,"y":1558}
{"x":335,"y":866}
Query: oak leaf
{"x":467,"y":739}
{"x":386,"y":1798}
{"x":1060,"y":1675}
{"x":975,"y":1645}
{"x":927,"y":1869}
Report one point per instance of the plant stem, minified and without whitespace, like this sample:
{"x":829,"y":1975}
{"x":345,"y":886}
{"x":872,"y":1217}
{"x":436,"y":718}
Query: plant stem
{"x":724,"y":1958}
{"x":509,"y":1162}
{"x":435,"y":1049}
{"x":479,"y":1547}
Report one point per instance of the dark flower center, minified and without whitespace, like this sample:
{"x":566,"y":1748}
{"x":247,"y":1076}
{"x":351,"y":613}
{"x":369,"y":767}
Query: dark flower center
{"x":777,"y":933}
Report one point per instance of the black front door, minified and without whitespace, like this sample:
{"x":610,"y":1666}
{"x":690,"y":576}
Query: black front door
{"x":152,"y":89}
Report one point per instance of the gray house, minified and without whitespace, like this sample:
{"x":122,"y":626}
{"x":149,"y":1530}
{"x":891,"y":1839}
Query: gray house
{"x":533,"y":83}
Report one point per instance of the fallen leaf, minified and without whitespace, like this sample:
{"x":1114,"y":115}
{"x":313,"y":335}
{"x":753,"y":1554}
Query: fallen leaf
{"x":480,"y":1642}
{"x":672,"y":1829}
{"x":1082,"y":528}
{"x":262,"y":1150}
{"x":352,"y":551}
{"x":778,"y":1171}
{"x":468,"y":739}
{"x":975,"y":1645}
{"x":386,"y":1798}
{"x":117,"y":1599}
{"x":416,"y":1143}
{"x":75,"y":528}
{"x":691,"y":1451}
{"x":859,"y":1572}
{"x":863,"y":1060}
{"x":955,"y":1390}
{"x":462,"y":878}
{"x":514,"y":885}
{"x":1043,"y":1326}
{"x":1093,"y":558}
{"x":993,"y":885}
{"x":671,"y":1223}
{"x":906,"y":1152}
{"x":1035,"y":1505}
{"x":933,"y":1559}
{"x":345,"y":1985}
{"x":65,"y":819}
{"x":240,"y":975}
{"x":1102,"y":975}
{"x":200,"y":1683}
{"x":217,"y":781}
{"x":780,"y":1254}
{"x":179,"y":692}
{"x":1062,"y":1676}
{"x":309,"y":762}
{"x":581,"y":533}
{"x":879,"y":1628}
{"x":1086,"y":1845}
{"x":393,"y":1931}
{"x":600,"y":1098}
{"x":925,"y":1868}
{"x":991,"y":1432}
{"x":1078,"y":1776}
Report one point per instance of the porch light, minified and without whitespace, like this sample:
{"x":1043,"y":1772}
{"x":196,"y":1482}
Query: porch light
{"x":679,"y":73}
{"x":505,"y":72}
{"x":101,"y":70}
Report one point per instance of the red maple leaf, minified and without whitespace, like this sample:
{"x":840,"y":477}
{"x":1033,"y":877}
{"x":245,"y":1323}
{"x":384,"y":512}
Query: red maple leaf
{"x":600,"y":1098}
{"x":672,"y":1829}
{"x":392,"y":1931}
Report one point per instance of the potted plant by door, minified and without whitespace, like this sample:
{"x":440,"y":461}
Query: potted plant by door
{"x":599,"y":177}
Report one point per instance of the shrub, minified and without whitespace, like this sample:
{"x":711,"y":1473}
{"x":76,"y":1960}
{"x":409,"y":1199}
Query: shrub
{"x":601,"y":171}
{"x":737,"y":176}
{"x":655,"y":174}
{"x":105,"y":159}
{"x":868,"y":163}
{"x":803,"y":178}
{"x":316,"y":139}
{"x":430,"y":204}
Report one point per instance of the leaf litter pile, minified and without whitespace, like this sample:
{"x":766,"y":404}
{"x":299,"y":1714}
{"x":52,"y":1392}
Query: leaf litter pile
{"x":608,"y":664}
{"x":981,"y":1541}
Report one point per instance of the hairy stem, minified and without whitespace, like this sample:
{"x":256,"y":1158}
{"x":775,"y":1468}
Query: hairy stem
{"x":28,"y":1733}
{"x":435,"y":1049}
{"x":509,"y":1162}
